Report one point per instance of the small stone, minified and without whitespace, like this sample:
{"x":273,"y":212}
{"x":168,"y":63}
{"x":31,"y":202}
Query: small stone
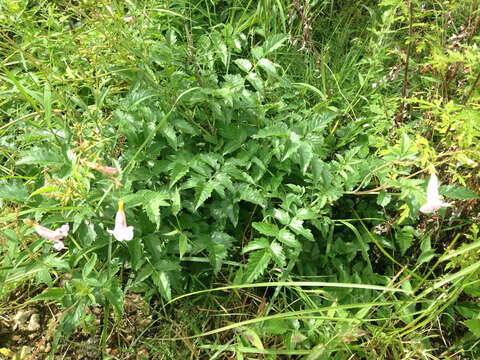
{"x":93,"y":341}
{"x":34,"y":323}
{"x":21,"y":318}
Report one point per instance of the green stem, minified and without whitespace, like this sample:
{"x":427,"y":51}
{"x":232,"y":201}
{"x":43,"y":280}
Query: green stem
{"x":103,"y":342}
{"x":284,"y":277}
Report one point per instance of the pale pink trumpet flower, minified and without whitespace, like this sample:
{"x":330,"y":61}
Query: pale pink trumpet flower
{"x":59,"y":245}
{"x":433,"y":198}
{"x":54,"y":235}
{"x":121,"y":232}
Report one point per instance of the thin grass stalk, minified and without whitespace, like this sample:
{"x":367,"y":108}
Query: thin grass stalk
{"x":399,"y":118}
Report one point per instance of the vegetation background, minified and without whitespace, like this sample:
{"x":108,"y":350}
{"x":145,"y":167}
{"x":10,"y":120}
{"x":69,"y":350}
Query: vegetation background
{"x":272,"y":157}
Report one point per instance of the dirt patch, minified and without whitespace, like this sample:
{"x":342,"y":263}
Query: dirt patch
{"x":27,"y":333}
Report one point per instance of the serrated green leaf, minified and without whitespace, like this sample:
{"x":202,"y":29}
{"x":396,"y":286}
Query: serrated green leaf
{"x":468,"y":309}
{"x":473,"y":290}
{"x":297,"y":226}
{"x":15,"y":192}
{"x":182,"y":245}
{"x":211,"y":159}
{"x":169,"y":133}
{"x":306,"y":155}
{"x":219,"y":188}
{"x":232,"y":209}
{"x":50,"y":294}
{"x":218,"y":249}
{"x":179,"y":170}
{"x":185,"y":127}
{"x":274,"y":42}
{"x":474,"y":326}
{"x":42,"y":157}
{"x":162,"y":281}
{"x":256,"y":265}
{"x":132,"y":200}
{"x":176,"y":203}
{"x":234,"y":172}
{"x":246,"y":193}
{"x":202,"y":193}
{"x":256,"y":81}
{"x":243,"y":64}
{"x":72,"y":318}
{"x":458,"y":192}
{"x":137,"y":255}
{"x":114,"y":294}
{"x":405,"y":238}
{"x":384,"y":198}
{"x":326,"y":176}
{"x":256,"y":244}
{"x":238,"y":280}
{"x":88,"y":267}
{"x":276,"y":326}
{"x":272,"y":131}
{"x":268,"y":66}
{"x":425,"y":256}
{"x":404,"y":143}
{"x":152,"y":203}
{"x":292,"y":146}
{"x":201,"y":167}
{"x":144,"y":273}
{"x":288,"y":239}
{"x":277,"y":253}
{"x":193,"y":182}
{"x":266,"y":229}
{"x":282,"y":216}
{"x":257,"y":52}
{"x":166,"y":265}
{"x":58,"y":263}
{"x":306,"y":214}
{"x":43,"y":277}
{"x":225,"y":180}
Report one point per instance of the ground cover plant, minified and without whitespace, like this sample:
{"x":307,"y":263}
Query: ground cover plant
{"x":239,"y":179}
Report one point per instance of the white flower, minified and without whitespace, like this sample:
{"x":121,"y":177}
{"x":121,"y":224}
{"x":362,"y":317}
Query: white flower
{"x":433,"y":198}
{"x":59,"y":245}
{"x":55,"y":235}
{"x":121,"y":232}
